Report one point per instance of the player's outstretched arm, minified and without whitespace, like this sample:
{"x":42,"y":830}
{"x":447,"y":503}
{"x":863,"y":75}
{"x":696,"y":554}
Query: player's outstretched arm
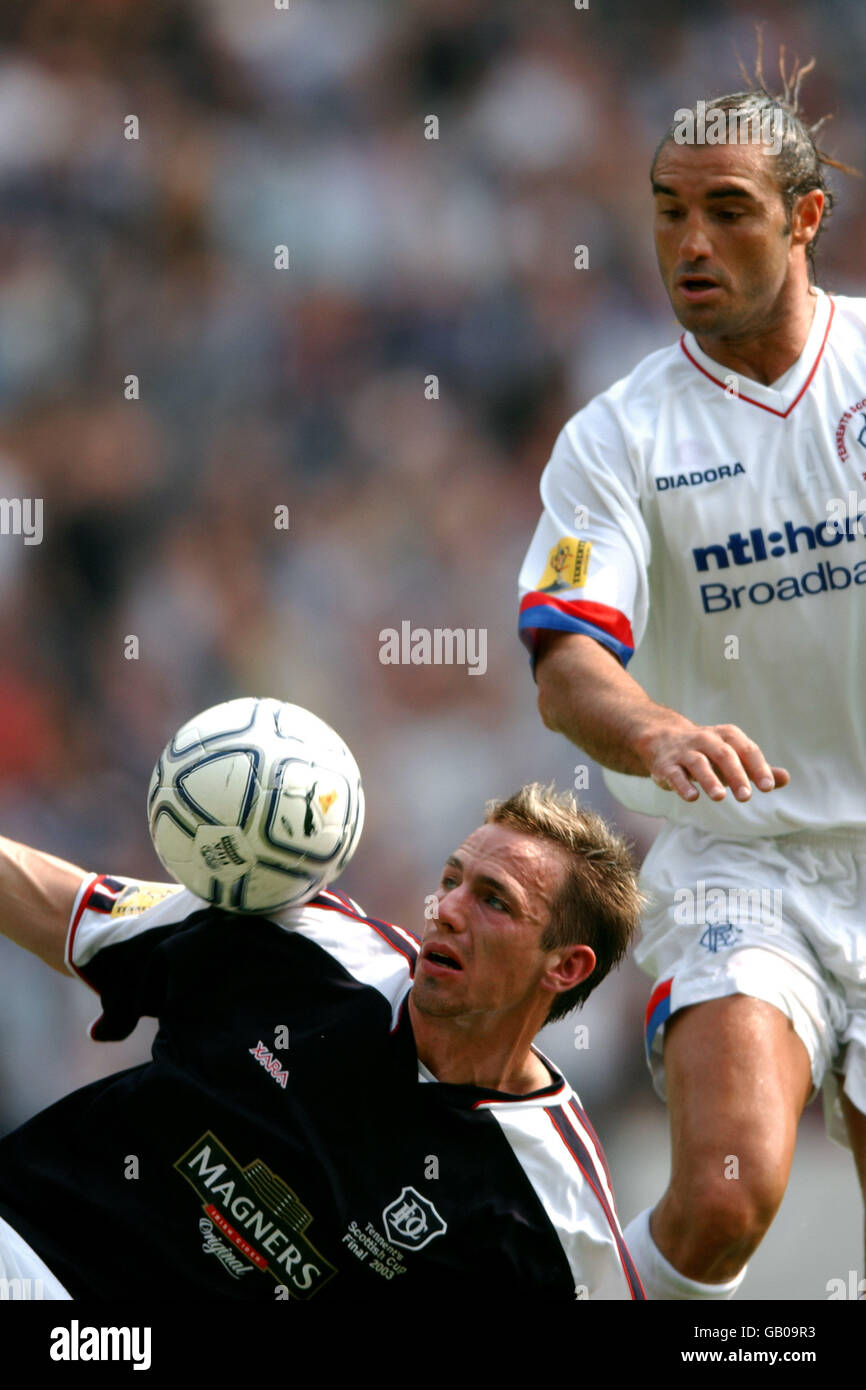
{"x":37,"y":893}
{"x":585,"y":694}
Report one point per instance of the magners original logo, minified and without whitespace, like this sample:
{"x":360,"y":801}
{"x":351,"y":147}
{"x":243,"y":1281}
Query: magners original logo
{"x":258,"y":1213}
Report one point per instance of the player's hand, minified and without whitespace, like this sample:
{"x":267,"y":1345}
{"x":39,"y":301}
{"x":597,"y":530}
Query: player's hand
{"x":689,"y":758}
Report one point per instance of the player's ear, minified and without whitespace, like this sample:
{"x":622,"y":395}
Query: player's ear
{"x":806,"y":217}
{"x":569,"y":966}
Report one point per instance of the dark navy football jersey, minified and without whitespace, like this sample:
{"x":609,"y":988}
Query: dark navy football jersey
{"x":284,"y":1142}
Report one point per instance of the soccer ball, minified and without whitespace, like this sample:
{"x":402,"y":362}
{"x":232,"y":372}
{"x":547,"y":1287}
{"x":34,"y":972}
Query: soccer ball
{"x":255,"y":805}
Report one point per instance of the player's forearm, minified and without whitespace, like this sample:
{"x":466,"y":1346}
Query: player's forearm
{"x":37,"y":892}
{"x":585,"y":694}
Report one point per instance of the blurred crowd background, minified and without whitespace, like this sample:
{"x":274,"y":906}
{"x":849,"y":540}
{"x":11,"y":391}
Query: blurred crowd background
{"x":304,"y":387}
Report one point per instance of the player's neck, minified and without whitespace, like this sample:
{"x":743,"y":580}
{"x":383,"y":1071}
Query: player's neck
{"x":767,"y":356}
{"x":461,"y":1052}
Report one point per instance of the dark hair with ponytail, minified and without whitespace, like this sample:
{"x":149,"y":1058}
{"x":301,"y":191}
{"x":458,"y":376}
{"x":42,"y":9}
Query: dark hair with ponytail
{"x":800,"y":165}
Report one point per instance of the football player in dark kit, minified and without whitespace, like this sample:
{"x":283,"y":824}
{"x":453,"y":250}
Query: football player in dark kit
{"x":335,"y":1108}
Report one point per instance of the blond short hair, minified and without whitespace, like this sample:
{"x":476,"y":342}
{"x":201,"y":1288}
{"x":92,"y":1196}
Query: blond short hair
{"x":599,"y":903}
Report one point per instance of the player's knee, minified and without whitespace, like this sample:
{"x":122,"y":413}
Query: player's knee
{"x":723,"y":1221}
{"x":741,"y":1214}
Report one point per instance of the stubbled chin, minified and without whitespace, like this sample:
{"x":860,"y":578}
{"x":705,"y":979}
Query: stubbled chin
{"x":698,"y":317}
{"x":428,"y":1003}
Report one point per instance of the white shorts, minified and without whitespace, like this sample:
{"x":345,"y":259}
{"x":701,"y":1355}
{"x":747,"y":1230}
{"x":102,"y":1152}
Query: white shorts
{"x":23,"y":1275}
{"x":782,"y":920}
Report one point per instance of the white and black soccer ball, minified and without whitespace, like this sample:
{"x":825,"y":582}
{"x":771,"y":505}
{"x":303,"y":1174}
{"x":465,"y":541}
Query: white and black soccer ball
{"x":255,"y":805}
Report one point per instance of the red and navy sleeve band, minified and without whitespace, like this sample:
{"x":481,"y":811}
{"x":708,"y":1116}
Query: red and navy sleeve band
{"x":102,"y":895}
{"x":607,"y":625}
{"x":657,"y":1011}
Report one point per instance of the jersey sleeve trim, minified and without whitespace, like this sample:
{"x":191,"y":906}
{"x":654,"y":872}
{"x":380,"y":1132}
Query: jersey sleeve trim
{"x":596,"y":1142}
{"x":111,"y":910}
{"x":375,"y":953}
{"x":342,"y":898}
{"x":397,"y":937}
{"x":657,"y":1010}
{"x":607,"y":625}
{"x":566,"y":1127}
{"x":98,"y":893}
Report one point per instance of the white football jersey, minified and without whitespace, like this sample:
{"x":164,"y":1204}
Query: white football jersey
{"x":716,"y":529}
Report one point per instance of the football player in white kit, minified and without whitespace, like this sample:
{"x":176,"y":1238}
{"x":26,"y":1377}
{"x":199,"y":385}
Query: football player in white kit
{"x":707,"y":514}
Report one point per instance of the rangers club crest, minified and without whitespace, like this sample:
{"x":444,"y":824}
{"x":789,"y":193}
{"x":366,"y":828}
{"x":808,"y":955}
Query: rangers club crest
{"x":412,"y":1221}
{"x":851,"y":432}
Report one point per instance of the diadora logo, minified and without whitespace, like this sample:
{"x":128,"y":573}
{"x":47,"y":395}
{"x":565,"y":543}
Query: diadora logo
{"x":695,"y":477}
{"x":790,"y":540}
{"x":270,"y":1063}
{"x":412,"y":1221}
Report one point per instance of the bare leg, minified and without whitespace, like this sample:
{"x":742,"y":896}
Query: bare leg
{"x":855,"y":1121}
{"x":737,"y":1080}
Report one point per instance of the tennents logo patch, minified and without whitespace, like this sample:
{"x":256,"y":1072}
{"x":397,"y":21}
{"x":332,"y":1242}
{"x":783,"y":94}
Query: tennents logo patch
{"x":567,"y":565}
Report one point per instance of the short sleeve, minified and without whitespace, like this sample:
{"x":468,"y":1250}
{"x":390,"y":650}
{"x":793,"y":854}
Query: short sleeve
{"x":115,"y":933}
{"x":147,"y":949}
{"x":586,"y":569}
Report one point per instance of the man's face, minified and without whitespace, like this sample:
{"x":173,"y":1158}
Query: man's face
{"x":483,"y":953}
{"x":722,"y":247}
